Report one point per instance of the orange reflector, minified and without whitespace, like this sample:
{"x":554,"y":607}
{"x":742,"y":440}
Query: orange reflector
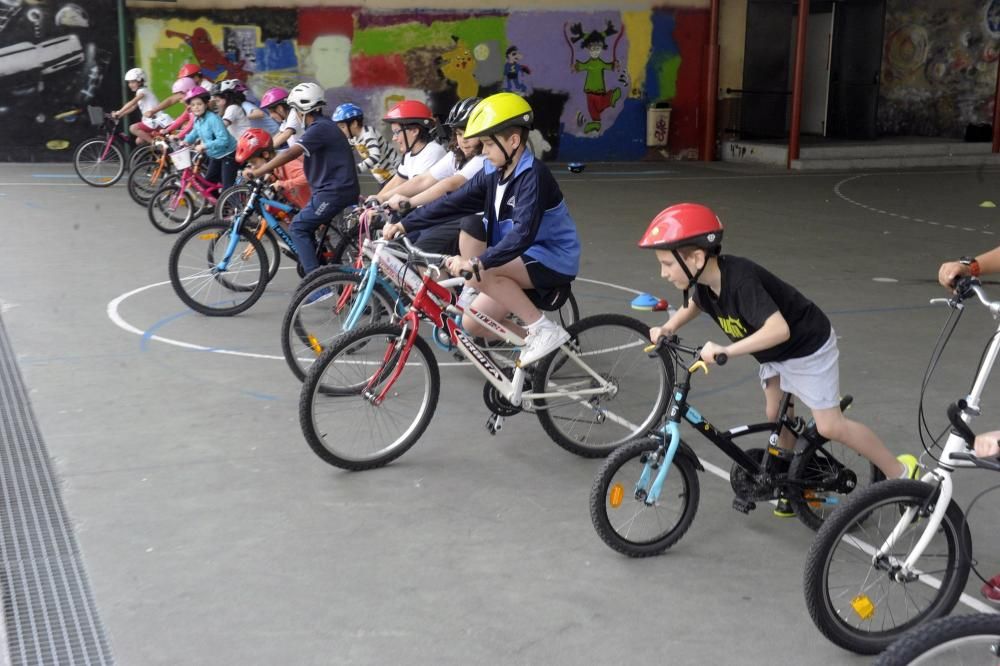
{"x":617,"y":495}
{"x":810,"y":497}
{"x":214,"y":236}
{"x":315,"y":346}
{"x":863,"y":606}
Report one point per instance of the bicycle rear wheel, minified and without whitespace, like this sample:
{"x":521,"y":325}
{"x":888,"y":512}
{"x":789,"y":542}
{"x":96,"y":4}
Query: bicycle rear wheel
{"x":855,"y":600}
{"x":169,"y":209}
{"x":970,"y":640}
{"x":618,"y":509}
{"x":204,"y":287}
{"x":140,"y":155}
{"x":838,"y":472}
{"x":612,"y":346}
{"x":348,"y":429}
{"x":144,"y":180}
{"x":311,"y":325}
{"x":95,"y":165}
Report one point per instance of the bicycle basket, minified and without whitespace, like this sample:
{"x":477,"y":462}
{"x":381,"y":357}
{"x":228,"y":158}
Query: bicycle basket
{"x":181,"y":158}
{"x":96,"y":115}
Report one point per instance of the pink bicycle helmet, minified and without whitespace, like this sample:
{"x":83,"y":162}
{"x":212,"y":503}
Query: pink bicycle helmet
{"x":197,"y":91}
{"x":272,"y":97}
{"x":182,"y":85}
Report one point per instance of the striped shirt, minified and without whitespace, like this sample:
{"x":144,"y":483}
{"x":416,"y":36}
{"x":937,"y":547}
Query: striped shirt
{"x":376,"y":155}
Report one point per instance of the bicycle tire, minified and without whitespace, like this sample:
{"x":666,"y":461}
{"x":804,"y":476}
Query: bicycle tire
{"x":170,"y":210}
{"x":140,"y":155}
{"x":615,"y":508}
{"x":960,"y":639}
{"x":307,"y":331}
{"x":360,"y":355}
{"x":205,"y":242}
{"x":141,"y":183}
{"x":230,"y":202}
{"x":95,"y":171}
{"x":867,"y":519}
{"x":813,"y":505}
{"x":620,"y":361}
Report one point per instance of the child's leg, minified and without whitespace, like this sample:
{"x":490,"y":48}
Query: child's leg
{"x":832,"y":424}
{"x":229,"y":170}
{"x":494,"y":310}
{"x":141,"y":133}
{"x":772,"y":400}
{"x":506,"y":284}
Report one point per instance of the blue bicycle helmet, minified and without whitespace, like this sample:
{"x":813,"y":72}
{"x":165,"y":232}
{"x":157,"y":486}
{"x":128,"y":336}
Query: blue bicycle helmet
{"x":346,"y":112}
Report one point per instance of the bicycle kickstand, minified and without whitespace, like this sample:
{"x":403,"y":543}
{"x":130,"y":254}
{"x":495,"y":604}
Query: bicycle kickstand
{"x":494,"y":423}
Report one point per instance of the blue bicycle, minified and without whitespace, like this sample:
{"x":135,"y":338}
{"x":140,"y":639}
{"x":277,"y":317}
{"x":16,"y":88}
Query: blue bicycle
{"x":221,"y":267}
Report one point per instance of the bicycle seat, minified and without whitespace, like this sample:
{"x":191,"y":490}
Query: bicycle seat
{"x":549,"y":300}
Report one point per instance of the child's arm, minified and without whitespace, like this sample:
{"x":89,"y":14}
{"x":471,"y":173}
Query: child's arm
{"x":679,"y":319}
{"x":372,"y":151}
{"x":407,"y":188}
{"x":989,"y":262}
{"x":774,"y":331}
{"x":293,"y":175}
{"x":988,"y":444}
{"x":169,"y":101}
{"x":128,"y":106}
{"x":438,"y":190}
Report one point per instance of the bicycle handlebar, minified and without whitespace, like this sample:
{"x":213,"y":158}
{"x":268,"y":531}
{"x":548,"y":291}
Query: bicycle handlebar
{"x":965,"y":288}
{"x":673,"y":342}
{"x":992,"y":464}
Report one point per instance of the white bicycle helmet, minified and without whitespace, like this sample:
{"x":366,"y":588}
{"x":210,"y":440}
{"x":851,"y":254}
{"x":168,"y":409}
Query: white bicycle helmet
{"x":306,"y":97}
{"x":232,"y":84}
{"x":135,"y":74}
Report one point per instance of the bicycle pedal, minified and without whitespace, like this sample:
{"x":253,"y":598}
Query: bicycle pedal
{"x":494,"y":424}
{"x":743,"y":505}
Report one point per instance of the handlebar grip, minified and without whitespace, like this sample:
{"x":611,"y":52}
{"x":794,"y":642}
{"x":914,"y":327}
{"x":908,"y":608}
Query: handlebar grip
{"x":984,"y":463}
{"x":721,"y":359}
{"x":468,"y":275}
{"x":404,"y":206}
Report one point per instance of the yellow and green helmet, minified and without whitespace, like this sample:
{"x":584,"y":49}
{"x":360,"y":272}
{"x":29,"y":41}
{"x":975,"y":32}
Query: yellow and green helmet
{"x":497,"y":113}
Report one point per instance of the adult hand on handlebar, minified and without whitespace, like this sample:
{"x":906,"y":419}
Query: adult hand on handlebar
{"x":987,"y":445}
{"x":458,"y":266}
{"x":657,"y":332}
{"x":393,"y":230}
{"x":949,"y":273}
{"x":398,"y":202}
{"x":710,"y":351}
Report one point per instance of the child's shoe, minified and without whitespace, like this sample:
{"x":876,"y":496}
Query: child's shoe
{"x":546,"y":337}
{"x":784,"y":508}
{"x":912,"y":466}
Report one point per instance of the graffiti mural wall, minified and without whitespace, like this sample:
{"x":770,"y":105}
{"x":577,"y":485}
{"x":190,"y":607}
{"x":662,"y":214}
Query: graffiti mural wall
{"x":939,"y":66}
{"x":588,"y":75}
{"x":56,"y":57}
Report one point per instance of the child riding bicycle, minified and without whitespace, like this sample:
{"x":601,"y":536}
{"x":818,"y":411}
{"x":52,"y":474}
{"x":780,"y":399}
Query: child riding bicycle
{"x":377,"y":156}
{"x":762,"y":315}
{"x":146,"y":100}
{"x":527,"y":240}
{"x":255,"y":149}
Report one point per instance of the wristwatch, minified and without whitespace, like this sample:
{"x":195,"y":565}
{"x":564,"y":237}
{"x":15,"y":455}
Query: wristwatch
{"x":972,"y":264}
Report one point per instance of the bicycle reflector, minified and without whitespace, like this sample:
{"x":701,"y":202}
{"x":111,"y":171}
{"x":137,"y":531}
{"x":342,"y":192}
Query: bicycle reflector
{"x":863,"y":606}
{"x":616,"y":496}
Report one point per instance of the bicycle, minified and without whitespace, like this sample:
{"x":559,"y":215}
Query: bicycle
{"x":225,"y":264}
{"x":381,"y":381}
{"x":370,"y":293}
{"x":181,"y":199}
{"x":865,"y":573}
{"x":971,"y":640}
{"x":100,"y":160}
{"x":640,"y":509}
{"x":146,"y":176}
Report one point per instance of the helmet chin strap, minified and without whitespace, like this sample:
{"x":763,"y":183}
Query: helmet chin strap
{"x":692,"y":279}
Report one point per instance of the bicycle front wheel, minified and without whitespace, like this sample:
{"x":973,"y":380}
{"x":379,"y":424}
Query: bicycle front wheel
{"x":855,"y":599}
{"x":203,"y":285}
{"x":319,"y":310}
{"x":618,"y":507}
{"x":611,"y":347}
{"x":140,"y":155}
{"x":144,"y":180}
{"x":99,"y":164}
{"x":970,"y":640}
{"x":343,"y":422}
{"x":170,"y":209}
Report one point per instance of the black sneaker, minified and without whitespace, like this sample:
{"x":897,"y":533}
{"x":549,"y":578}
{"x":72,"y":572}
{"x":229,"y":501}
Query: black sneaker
{"x":784,"y":508}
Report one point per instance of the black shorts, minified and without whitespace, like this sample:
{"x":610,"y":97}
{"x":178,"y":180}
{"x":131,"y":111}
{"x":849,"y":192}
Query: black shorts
{"x":439,"y":239}
{"x":473,"y":225}
{"x":544,"y":278}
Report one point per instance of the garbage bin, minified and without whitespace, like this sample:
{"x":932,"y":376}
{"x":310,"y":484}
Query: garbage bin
{"x":657,"y":124}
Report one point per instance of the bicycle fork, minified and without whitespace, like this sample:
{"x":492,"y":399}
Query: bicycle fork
{"x":649,"y":497}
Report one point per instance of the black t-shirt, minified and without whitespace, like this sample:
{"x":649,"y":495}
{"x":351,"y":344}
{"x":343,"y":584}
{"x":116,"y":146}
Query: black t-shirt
{"x":749,"y":295}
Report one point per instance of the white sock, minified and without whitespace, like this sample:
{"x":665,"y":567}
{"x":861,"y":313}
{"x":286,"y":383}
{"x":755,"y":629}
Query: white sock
{"x":906,"y":471}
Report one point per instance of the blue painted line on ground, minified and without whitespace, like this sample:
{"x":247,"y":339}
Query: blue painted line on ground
{"x":53,"y":175}
{"x":151,"y":331}
{"x":260,"y":396}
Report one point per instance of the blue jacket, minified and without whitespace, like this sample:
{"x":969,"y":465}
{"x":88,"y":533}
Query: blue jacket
{"x":212,"y":131}
{"x":533,"y":221}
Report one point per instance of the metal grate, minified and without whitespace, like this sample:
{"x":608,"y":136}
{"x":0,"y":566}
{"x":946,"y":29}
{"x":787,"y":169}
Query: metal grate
{"x":48,"y":609}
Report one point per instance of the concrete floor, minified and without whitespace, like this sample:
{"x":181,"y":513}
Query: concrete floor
{"x":212,"y":534}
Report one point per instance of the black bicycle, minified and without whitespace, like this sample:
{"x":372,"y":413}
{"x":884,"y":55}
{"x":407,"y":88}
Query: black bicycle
{"x":646,"y":494}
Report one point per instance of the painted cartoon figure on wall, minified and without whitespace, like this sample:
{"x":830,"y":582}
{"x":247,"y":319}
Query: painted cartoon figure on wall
{"x":512,"y":70}
{"x":599,"y":97}
{"x":458,"y":65}
{"x":213,"y":62}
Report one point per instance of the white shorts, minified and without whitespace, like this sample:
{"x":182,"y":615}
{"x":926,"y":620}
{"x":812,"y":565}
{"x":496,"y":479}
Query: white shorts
{"x":813,"y":379}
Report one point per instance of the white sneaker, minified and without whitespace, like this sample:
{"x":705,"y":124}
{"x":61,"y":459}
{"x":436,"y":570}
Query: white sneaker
{"x":541,"y":342}
{"x":468,"y":295}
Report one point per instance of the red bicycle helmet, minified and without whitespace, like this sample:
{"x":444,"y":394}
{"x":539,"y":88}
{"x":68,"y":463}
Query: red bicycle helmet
{"x":410,"y":112}
{"x":682,"y":225}
{"x":251,"y":142}
{"x":188,"y":70}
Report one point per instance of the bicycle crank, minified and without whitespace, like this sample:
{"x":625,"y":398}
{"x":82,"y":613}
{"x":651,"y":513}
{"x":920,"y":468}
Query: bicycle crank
{"x":494,"y":424}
